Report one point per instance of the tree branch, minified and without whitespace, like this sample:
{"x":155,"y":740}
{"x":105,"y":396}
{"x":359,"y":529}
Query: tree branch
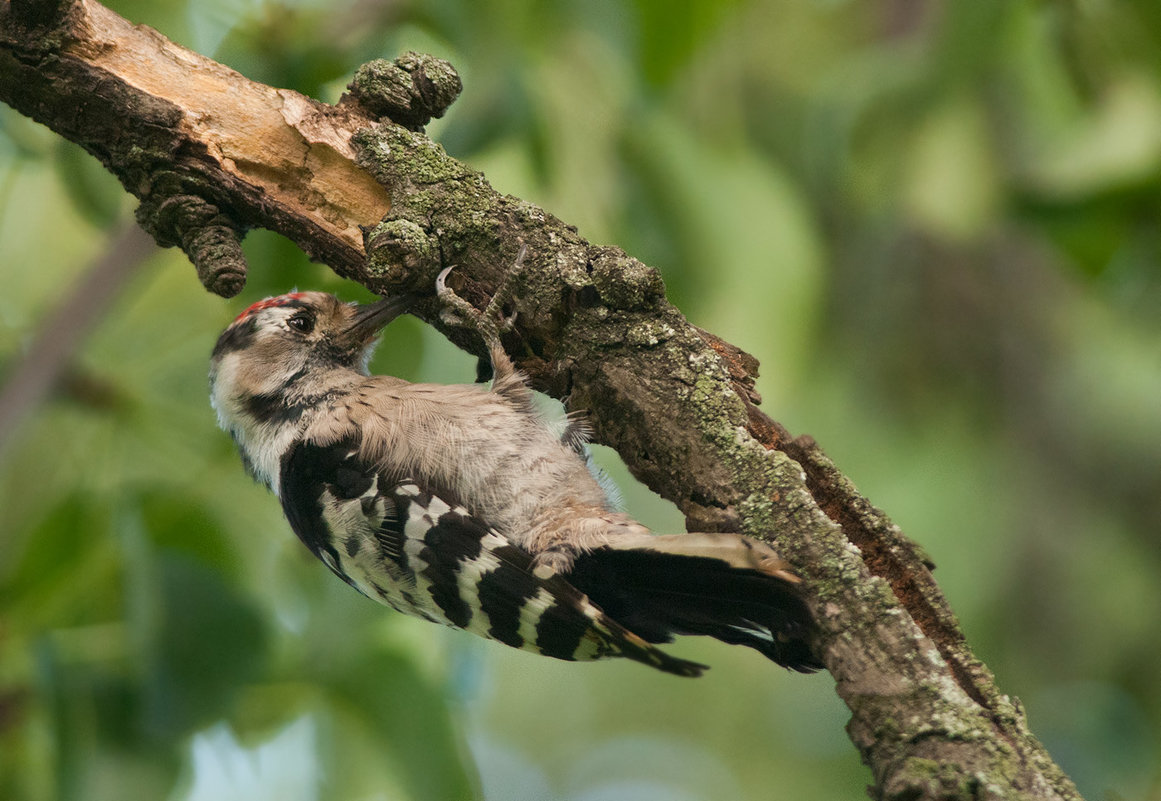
{"x":64,"y":329}
{"x":207,"y":150}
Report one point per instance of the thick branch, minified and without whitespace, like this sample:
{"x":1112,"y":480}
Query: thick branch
{"x":593,"y":327}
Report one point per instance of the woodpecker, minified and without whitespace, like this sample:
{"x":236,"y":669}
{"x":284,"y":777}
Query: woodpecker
{"x":460,"y":505}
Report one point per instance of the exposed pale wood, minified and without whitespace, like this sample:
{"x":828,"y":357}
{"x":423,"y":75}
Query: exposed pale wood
{"x":593,"y":327}
{"x":281,"y":143}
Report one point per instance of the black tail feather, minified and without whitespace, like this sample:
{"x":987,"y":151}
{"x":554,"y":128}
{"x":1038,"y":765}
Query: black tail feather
{"x":658,"y":595}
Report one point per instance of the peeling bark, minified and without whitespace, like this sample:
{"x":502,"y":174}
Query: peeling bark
{"x":383,"y":205}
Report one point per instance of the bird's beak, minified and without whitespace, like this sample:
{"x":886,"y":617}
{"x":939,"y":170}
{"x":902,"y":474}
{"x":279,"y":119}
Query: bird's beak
{"x":371,"y":318}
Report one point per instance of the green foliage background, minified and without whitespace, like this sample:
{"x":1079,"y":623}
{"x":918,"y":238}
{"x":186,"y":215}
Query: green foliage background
{"x":936,"y":224}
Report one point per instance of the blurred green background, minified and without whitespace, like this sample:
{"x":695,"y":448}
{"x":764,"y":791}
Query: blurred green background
{"x":936,"y":224}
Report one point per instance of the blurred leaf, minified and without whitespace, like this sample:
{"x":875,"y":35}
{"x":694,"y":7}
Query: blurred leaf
{"x":208,"y":641}
{"x":786,"y":165}
{"x":282,"y":47}
{"x":23,"y":139}
{"x":676,"y":769}
{"x":97,"y":195}
{"x":57,"y":545}
{"x":60,"y":565}
{"x":494,"y":112}
{"x":1118,"y":144}
{"x":401,"y":349}
{"x":69,"y":734}
{"x":179,"y":525}
{"x":408,"y":716}
{"x":745,"y":231}
{"x":669,"y":34}
{"x":170,"y":17}
{"x":1102,"y":734}
{"x":278,"y":266}
{"x":210,"y":21}
{"x":1093,"y":231}
{"x":952,"y":184}
{"x":965,"y":41}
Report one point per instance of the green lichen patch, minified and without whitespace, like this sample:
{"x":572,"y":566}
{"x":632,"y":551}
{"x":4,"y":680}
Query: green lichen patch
{"x":410,"y":90}
{"x":398,"y":157}
{"x":624,"y":282}
{"x":398,"y":250}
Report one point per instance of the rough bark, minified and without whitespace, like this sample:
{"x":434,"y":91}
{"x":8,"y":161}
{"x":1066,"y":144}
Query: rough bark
{"x":211,"y":154}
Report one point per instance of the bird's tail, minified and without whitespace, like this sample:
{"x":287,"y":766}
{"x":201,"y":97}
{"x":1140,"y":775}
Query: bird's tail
{"x":726,"y":586}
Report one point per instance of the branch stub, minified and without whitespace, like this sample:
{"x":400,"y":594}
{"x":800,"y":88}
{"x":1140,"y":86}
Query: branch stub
{"x":410,"y":91}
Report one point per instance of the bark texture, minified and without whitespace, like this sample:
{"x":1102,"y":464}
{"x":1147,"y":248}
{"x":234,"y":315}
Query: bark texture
{"x":210,"y":154}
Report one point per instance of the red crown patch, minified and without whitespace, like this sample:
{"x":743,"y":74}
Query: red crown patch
{"x":270,"y":303}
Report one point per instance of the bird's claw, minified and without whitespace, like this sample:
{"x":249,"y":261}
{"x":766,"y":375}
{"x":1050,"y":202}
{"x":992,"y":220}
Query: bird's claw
{"x":491,"y":323}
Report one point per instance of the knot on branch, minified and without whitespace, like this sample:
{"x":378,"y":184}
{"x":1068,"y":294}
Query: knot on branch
{"x":398,"y":253}
{"x":207,"y":236}
{"x":409,"y":91}
{"x":623,"y":282}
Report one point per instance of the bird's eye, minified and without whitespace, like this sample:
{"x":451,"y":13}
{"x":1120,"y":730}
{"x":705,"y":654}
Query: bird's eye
{"x":303,"y":322}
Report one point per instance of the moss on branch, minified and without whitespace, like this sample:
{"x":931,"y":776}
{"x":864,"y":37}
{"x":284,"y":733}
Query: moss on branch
{"x":383,"y":204}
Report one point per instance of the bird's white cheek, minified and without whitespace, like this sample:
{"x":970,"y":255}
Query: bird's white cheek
{"x":223,"y":381}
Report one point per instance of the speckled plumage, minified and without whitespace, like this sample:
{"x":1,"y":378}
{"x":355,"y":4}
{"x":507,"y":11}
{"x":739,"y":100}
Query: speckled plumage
{"x":460,"y":505}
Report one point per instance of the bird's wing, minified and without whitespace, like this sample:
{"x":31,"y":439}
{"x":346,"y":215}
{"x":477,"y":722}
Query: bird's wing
{"x":726,"y":586}
{"x":416,"y":549}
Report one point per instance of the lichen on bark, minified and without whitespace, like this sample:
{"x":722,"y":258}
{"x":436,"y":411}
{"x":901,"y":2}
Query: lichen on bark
{"x":411,"y":90}
{"x":594,"y":328}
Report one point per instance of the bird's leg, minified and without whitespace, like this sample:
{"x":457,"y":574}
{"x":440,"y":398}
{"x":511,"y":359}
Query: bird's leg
{"x":490,"y":323}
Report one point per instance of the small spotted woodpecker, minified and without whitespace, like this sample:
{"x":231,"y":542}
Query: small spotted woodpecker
{"x":459,"y":505}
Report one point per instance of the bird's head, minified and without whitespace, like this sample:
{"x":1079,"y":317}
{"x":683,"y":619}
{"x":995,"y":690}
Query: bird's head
{"x":285,"y":349}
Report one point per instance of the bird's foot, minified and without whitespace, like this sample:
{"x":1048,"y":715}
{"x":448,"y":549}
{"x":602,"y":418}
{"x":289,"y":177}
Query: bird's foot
{"x":491,"y":323}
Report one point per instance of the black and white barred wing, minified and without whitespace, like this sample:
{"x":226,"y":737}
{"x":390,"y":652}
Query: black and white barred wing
{"x":421,"y":553}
